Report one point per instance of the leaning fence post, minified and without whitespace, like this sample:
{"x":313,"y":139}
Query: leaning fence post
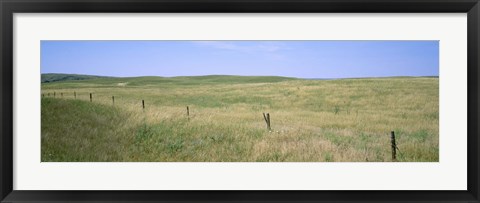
{"x":90,"y":97}
{"x":265,"y":117}
{"x":267,"y":120}
{"x":394,"y":146}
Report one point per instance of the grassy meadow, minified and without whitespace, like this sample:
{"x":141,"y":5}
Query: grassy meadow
{"x":344,"y":120}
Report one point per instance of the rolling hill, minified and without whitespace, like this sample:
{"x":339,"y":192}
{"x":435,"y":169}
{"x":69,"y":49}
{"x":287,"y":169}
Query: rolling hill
{"x":55,"y":77}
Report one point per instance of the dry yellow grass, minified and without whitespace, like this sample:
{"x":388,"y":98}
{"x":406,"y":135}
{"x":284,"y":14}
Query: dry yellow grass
{"x":312,"y":120}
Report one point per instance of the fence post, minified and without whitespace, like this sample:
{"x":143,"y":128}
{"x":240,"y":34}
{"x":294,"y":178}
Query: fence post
{"x":143,"y":104}
{"x":267,"y":120}
{"x":394,"y":146}
{"x":90,"y":97}
{"x":75,"y":94}
{"x":61,"y":94}
{"x":269,"y":124}
{"x":188,"y":113}
{"x":113,"y":100}
{"x":53,"y":94}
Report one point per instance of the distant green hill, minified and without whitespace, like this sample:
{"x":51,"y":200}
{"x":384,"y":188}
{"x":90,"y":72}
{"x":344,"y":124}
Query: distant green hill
{"x":234,"y":78}
{"x":55,"y":77}
{"x":75,"y":79}
{"x":155,"y":80}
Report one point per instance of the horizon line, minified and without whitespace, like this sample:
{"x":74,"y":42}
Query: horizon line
{"x":316,"y":78}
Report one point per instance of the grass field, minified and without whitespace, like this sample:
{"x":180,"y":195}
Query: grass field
{"x":346,"y":120}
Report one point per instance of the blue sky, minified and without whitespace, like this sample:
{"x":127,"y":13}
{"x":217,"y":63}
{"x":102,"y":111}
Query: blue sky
{"x":303,"y":59}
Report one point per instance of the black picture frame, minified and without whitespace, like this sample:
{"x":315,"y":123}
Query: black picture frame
{"x":9,"y":7}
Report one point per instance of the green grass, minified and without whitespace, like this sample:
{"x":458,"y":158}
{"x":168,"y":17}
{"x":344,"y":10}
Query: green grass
{"x":312,"y":120}
{"x":74,"y":130}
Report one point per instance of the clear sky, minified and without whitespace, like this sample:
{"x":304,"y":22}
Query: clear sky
{"x":303,"y":59}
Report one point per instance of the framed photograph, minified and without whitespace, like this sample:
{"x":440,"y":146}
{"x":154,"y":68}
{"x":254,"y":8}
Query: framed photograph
{"x":255,"y":101}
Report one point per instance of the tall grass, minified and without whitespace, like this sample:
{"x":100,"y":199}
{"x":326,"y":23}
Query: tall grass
{"x":312,"y":120}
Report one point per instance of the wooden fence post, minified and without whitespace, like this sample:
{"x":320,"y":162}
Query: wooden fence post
{"x":113,"y":100}
{"x":269,"y":124}
{"x":394,"y":146}
{"x":143,"y":104}
{"x":61,"y":94}
{"x":90,"y":97}
{"x":188,"y":112}
{"x":75,"y":94}
{"x":267,"y":120}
